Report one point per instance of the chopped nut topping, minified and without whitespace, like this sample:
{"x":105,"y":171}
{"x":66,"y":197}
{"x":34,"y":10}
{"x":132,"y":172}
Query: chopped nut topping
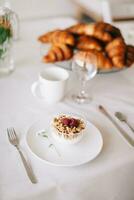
{"x":68,"y":127}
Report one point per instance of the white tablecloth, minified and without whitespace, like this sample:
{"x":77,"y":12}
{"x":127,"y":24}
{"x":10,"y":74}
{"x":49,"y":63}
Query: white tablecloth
{"x":109,"y":176}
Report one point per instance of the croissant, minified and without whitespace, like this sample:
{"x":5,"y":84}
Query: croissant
{"x":116,"y":50}
{"x":79,"y":29}
{"x":58,"y":37}
{"x":95,"y":57}
{"x":105,"y":27}
{"x":102,"y":31}
{"x":58,"y":53}
{"x":129,"y":55}
{"x":87,"y":42}
{"x":45,"y":38}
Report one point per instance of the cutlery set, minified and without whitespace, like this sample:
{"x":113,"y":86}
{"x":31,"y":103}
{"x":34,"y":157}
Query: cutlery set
{"x":14,"y":140}
{"x":122,"y":118}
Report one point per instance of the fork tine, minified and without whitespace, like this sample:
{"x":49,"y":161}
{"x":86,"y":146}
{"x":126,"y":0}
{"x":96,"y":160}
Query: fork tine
{"x":13,"y":130}
{"x":11,"y":134}
{"x":14,"y":134}
{"x":8,"y":133}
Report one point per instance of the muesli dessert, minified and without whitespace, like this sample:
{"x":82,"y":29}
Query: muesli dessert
{"x":68,"y":129}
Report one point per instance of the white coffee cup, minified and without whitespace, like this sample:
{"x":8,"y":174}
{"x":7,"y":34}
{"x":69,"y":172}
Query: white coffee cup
{"x":52,"y":83}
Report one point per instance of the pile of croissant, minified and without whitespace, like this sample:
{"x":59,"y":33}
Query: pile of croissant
{"x":100,"y":39}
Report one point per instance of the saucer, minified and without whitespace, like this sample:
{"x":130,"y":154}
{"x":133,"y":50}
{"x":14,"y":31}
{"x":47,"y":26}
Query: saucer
{"x":44,"y":147}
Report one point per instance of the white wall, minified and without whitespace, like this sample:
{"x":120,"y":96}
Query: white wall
{"x":94,"y":7}
{"x":43,"y":8}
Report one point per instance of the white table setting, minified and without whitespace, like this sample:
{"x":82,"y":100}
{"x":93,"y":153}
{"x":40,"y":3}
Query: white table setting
{"x":108,"y":175}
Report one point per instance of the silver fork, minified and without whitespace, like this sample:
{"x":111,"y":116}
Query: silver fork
{"x":13,"y":139}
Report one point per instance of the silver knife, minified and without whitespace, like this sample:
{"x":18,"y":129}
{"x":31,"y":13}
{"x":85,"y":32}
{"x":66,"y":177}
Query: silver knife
{"x":123,"y":133}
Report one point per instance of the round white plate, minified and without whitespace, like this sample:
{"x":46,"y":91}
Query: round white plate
{"x":67,"y":64}
{"x":45,"y":147}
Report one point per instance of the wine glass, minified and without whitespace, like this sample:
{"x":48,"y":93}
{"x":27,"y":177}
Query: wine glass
{"x":84,"y":69}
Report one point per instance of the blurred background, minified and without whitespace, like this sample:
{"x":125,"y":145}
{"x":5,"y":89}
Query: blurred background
{"x":119,"y":12}
{"x":96,"y":9}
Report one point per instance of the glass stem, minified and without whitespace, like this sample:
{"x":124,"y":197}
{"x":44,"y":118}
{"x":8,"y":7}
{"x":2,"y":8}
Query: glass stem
{"x":83,"y":85}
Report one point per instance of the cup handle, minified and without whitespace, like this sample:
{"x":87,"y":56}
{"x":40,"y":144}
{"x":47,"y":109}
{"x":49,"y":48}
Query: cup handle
{"x":35,"y":90}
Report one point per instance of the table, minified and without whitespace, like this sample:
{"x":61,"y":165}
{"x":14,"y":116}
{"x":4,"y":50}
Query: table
{"x":109,"y":176}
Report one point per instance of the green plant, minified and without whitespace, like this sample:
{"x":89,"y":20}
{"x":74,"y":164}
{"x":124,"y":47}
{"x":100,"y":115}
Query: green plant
{"x":5,"y":34}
